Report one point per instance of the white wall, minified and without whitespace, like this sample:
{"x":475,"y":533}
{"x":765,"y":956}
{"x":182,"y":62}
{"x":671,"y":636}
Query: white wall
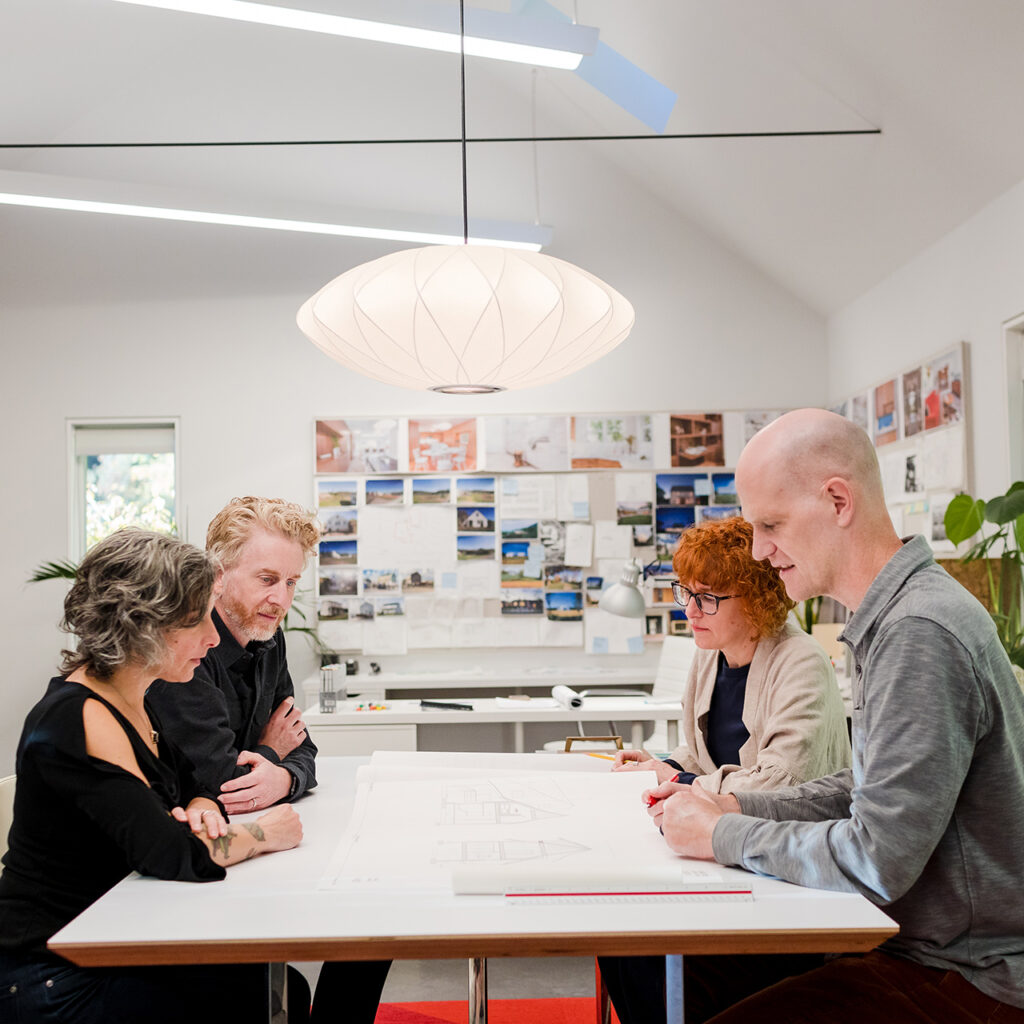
{"x":963,"y":288}
{"x":711,"y":333}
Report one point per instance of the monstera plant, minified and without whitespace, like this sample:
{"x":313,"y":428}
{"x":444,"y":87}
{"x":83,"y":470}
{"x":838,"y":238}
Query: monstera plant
{"x":1003,"y":545}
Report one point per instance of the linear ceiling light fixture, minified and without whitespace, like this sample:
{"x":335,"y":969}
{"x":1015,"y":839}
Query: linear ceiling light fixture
{"x":466,"y":320}
{"x":525,"y":40}
{"x":531,"y":239}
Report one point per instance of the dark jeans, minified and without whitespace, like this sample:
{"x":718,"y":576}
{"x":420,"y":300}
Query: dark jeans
{"x":349,"y":991}
{"x":49,"y":990}
{"x":636,"y":984}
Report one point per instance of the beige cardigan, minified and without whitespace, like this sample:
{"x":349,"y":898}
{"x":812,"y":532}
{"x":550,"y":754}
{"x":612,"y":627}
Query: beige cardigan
{"x":792,"y":710}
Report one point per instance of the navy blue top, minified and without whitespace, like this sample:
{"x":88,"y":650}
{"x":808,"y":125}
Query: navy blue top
{"x":725,"y":731}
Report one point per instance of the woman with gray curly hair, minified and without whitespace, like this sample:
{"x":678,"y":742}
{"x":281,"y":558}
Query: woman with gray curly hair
{"x":100,"y":793}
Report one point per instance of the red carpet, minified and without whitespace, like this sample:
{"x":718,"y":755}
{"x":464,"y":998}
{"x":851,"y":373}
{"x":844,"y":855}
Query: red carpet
{"x":499,"y":1011}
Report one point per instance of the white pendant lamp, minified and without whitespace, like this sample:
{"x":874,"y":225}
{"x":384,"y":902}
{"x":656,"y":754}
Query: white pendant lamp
{"x":625,"y":597}
{"x":466,"y":319}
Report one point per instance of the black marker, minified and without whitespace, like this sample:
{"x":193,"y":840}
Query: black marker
{"x":445,"y":705}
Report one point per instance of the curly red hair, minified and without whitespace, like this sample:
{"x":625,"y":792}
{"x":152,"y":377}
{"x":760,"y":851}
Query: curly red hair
{"x":717,"y":554}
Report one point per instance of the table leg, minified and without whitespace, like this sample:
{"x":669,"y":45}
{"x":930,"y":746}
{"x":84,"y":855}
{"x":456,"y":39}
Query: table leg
{"x":478,"y":990}
{"x":519,"y":731}
{"x":637,"y":735}
{"x":672,"y":733}
{"x":675,"y":1012}
{"x":277,"y":993}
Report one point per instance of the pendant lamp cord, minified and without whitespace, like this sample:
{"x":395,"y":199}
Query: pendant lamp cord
{"x":462,"y":71}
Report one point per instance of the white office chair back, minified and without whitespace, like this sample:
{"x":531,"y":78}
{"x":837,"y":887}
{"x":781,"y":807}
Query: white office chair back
{"x":6,"y":810}
{"x":677,"y":654}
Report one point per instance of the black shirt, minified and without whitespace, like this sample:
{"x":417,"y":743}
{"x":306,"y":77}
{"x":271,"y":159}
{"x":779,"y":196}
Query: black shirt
{"x":724,"y":728}
{"x":226,"y":706}
{"x":81,"y":824}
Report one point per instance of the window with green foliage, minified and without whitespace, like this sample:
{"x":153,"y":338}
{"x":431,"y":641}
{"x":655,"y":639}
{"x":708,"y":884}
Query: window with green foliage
{"x":124,"y":475}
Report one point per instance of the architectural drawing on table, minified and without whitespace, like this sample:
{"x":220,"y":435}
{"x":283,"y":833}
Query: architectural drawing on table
{"x":502,"y":802}
{"x":505,"y":851}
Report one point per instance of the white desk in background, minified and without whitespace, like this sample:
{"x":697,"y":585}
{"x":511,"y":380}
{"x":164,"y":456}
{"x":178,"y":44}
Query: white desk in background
{"x":270,"y":910}
{"x":515,"y":679}
{"x":350,"y":731}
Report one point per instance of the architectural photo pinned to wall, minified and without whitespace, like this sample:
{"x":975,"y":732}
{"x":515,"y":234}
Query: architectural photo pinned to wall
{"x":527,"y":444}
{"x":519,"y":529}
{"x":709,"y":513}
{"x":356,"y":446}
{"x":592,"y":587}
{"x":475,"y":490}
{"x":522,"y":602}
{"x":860,"y":411}
{"x":338,"y":522}
{"x":696,"y":439}
{"x":551,"y":534}
{"x":376,"y":581}
{"x":887,"y":414}
{"x":682,"y":489}
{"x":522,"y":563}
{"x":944,"y":389}
{"x":431,"y":490}
{"x":337,"y":582}
{"x":439,"y":445}
{"x":757,"y":419}
{"x":417,"y":581}
{"x":723,"y":488}
{"x":563,"y":606}
{"x":385,"y":491}
{"x":939,"y":502}
{"x":673,"y":519}
{"x":643,"y":536}
{"x":472,"y":547}
{"x":474,"y":518}
{"x":611,"y":442}
{"x":334,"y":493}
{"x":338,"y":552}
{"x":913,"y":402}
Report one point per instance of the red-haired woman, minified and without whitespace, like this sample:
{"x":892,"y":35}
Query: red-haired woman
{"x":761,"y":705}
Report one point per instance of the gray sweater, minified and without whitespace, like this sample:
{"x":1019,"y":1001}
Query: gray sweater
{"x":928,"y":822}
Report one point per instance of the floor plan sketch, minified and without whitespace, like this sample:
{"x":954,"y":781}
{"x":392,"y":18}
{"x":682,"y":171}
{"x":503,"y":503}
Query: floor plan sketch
{"x":505,"y":851}
{"x":503,"y":802}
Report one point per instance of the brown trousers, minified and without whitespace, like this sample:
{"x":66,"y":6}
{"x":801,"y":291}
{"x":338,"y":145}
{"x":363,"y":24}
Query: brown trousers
{"x":876,"y":987}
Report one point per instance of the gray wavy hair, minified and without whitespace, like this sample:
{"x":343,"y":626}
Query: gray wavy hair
{"x":129,"y":590}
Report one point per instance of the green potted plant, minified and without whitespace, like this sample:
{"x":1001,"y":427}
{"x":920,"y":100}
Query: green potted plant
{"x":964,"y":519}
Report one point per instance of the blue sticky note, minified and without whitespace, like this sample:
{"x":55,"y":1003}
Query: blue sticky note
{"x":581,"y":510}
{"x":449,"y":580}
{"x":509,"y":485}
{"x":635,"y":645}
{"x":599,"y":645}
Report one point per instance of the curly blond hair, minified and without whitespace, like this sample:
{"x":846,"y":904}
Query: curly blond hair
{"x":718,"y":555}
{"x":233,"y":525}
{"x":131,"y":588}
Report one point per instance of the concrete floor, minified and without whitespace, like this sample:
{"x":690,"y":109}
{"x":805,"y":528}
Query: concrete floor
{"x":507,"y":978}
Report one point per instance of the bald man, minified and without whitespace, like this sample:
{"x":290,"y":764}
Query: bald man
{"x":928,"y":823}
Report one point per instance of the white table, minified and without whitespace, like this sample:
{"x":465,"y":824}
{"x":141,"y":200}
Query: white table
{"x":269,"y":910}
{"x":513,"y":679}
{"x":334,"y":733}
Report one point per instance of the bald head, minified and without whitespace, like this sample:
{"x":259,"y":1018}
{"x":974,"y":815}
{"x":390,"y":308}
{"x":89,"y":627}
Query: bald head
{"x":808,"y":447}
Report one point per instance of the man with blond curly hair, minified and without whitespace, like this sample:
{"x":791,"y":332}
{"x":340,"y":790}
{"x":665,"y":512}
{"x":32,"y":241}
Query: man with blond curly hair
{"x":236,"y":720}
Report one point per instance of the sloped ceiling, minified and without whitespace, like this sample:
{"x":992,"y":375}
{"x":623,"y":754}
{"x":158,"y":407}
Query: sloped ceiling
{"x":826,"y":218}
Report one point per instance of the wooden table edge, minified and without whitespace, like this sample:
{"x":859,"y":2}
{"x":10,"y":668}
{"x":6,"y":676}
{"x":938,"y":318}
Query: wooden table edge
{"x":442,"y":947}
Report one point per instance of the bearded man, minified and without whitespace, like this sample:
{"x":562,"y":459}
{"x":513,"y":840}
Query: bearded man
{"x":236,"y":720}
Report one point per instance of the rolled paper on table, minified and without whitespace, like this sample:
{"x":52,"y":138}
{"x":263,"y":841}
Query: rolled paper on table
{"x":566,"y":697}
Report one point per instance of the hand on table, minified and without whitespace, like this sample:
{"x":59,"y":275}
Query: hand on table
{"x":640,"y":760}
{"x":687,"y":816}
{"x":285,"y":729}
{"x":265,"y":784}
{"x":201,"y":816}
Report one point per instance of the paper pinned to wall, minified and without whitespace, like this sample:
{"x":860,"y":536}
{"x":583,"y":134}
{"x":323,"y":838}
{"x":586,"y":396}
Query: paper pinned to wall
{"x":612,"y":541}
{"x":573,"y":490}
{"x":528,"y":496}
{"x":943,"y":455}
{"x":633,"y":488}
{"x":429,"y":635}
{"x":478,"y":579}
{"x":579,"y":544}
{"x":612,"y":634}
{"x":385,"y":636}
{"x":560,"y":634}
{"x":409,"y":536}
{"x":341,"y":635}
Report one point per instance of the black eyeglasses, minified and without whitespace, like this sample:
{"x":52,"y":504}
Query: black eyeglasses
{"x":707,"y":604}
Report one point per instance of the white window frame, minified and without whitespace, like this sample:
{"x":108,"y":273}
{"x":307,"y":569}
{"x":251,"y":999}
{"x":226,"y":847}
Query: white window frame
{"x":79,"y":427}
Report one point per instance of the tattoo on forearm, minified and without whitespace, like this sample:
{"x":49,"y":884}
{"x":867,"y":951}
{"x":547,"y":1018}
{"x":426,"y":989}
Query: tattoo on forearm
{"x":254,"y":830}
{"x":222,"y":845}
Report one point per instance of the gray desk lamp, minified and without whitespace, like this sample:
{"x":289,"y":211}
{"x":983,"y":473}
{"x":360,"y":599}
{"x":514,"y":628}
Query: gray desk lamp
{"x":625,"y":597}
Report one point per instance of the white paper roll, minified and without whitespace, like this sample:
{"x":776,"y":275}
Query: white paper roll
{"x":566,"y":697}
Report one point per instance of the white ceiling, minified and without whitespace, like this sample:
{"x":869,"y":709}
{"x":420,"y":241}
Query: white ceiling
{"x":824,"y":217}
